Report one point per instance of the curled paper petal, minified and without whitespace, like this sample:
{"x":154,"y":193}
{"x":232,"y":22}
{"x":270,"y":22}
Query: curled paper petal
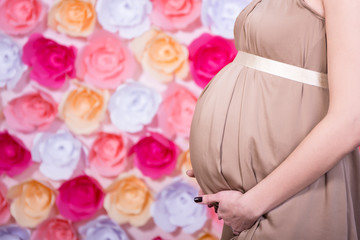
{"x":174,"y":207}
{"x":32,"y":203}
{"x":155,"y":155}
{"x":31,"y":112}
{"x":105,"y":62}
{"x":79,"y":198}
{"x":19,"y":17}
{"x":208,"y":55}
{"x":127,"y":17}
{"x":59,"y":154}
{"x":176,"y":111}
{"x":14,"y":157}
{"x":128,"y":199}
{"x":50,"y":62}
{"x":133,"y":106}
{"x":220,"y":16}
{"x":102,"y":228}
{"x":73,"y":17}
{"x":108,"y":154}
{"x":14,"y":232}
{"x":161,"y":55}
{"x":11,"y":66}
{"x":175,"y":14}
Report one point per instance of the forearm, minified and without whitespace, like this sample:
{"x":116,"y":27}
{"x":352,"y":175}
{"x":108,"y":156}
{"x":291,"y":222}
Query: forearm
{"x":322,"y":149}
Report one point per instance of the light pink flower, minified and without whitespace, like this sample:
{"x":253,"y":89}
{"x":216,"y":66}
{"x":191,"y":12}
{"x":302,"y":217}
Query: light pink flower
{"x":175,"y":14}
{"x":208,"y":54}
{"x":155,"y":155}
{"x":18,"y":17}
{"x":108,"y":154}
{"x":105,"y":62}
{"x":176,"y":111}
{"x":4,"y":205}
{"x":50,"y":62}
{"x":31,"y":112}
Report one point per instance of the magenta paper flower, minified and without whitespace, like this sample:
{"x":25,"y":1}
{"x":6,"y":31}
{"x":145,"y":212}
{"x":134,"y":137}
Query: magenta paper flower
{"x":14,"y":157}
{"x":208,"y":54}
{"x":19,"y":17}
{"x":79,"y":198}
{"x":31,"y":112}
{"x":105,"y":62}
{"x":155,"y":155}
{"x":50,"y":62}
{"x":176,"y":111}
{"x":175,"y":14}
{"x":108,"y":154}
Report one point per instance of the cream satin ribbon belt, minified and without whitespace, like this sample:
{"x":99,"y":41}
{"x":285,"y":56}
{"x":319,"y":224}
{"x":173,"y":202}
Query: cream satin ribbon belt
{"x":281,"y":69}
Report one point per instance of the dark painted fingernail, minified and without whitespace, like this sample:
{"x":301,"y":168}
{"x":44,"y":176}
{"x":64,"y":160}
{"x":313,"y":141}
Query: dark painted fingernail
{"x":198,"y":199}
{"x":210,"y":205}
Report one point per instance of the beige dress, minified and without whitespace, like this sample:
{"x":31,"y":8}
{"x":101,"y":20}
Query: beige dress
{"x":247,"y":122}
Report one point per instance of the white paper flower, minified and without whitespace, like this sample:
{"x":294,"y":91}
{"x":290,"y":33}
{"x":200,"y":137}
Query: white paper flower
{"x":220,"y":16}
{"x":128,"y":17}
{"x":102,"y":228}
{"x":174,"y":207}
{"x":11,"y":66}
{"x":132,"y":106}
{"x":59,"y":154}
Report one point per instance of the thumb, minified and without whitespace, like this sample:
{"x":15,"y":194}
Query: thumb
{"x":207,"y":199}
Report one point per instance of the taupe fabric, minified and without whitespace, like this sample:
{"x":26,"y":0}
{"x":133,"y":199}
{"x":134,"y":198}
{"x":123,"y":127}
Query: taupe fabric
{"x":247,"y":122}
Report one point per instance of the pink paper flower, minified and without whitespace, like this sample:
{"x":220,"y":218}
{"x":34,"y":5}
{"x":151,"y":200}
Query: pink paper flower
{"x":18,"y":17}
{"x":79,"y":198}
{"x":31,"y":112}
{"x":105,"y":62}
{"x":208,"y":54}
{"x":176,"y":111}
{"x":51,"y":62}
{"x":4,"y":205}
{"x":55,"y":229}
{"x":108,"y":154}
{"x":155,"y":155}
{"x":175,"y":14}
{"x":14,"y":157}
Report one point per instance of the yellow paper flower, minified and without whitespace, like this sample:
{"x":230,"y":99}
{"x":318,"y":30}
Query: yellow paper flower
{"x":207,"y":236}
{"x":128,"y":200}
{"x":74,"y":17}
{"x":161,"y":55}
{"x":32,"y":203}
{"x":83,"y":109}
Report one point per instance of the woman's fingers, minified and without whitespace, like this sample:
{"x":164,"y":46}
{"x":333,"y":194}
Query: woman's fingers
{"x":190,"y":173}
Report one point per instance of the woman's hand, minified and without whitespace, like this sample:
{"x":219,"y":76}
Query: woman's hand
{"x":232,"y":208}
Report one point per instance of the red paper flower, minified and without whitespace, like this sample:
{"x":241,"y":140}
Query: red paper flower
{"x":155,"y":155}
{"x":55,"y":229}
{"x":79,"y":198}
{"x":14,"y":157}
{"x":51,"y":62}
{"x":208,"y":54}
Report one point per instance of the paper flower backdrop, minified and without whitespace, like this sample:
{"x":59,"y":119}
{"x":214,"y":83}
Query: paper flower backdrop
{"x":96,"y":102}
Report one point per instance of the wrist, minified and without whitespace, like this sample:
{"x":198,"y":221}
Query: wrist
{"x":253,"y":205}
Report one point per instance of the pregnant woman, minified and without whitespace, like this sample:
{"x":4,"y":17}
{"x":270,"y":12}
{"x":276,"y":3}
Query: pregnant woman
{"x":275,"y":135}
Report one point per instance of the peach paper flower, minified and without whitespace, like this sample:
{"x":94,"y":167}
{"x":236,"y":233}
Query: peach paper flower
{"x":105,"y":62}
{"x":32,"y":203}
{"x":175,"y":14}
{"x":176,"y":111}
{"x":83,"y":109}
{"x":18,"y":17}
{"x":108,"y":154}
{"x":128,"y":200}
{"x":31,"y":112}
{"x":73,"y":17}
{"x":161,"y":55}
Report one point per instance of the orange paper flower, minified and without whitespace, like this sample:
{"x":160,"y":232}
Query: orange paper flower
{"x":161,"y":55}
{"x":207,"y":236}
{"x":128,"y":200}
{"x":32,"y":203}
{"x":83,"y":109}
{"x":73,"y":17}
